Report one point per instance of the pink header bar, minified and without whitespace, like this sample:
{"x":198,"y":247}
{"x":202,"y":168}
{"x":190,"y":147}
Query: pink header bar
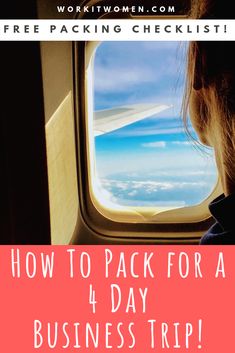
{"x":123,"y":299}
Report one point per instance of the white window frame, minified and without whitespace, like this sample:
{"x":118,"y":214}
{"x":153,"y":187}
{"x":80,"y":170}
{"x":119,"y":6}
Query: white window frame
{"x":128,"y":214}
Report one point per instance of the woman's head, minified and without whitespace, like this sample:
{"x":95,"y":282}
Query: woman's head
{"x":210,"y":92}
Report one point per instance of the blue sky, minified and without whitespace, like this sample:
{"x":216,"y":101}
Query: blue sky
{"x":151,"y":162}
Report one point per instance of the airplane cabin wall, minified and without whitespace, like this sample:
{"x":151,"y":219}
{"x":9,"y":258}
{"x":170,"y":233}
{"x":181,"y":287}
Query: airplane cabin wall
{"x":57,"y":70}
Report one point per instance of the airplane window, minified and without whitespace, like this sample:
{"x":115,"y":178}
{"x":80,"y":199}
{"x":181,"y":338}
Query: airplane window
{"x":142,"y":155}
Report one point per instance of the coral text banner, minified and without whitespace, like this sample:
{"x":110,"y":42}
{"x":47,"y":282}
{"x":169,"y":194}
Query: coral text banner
{"x":118,"y":30}
{"x":119,"y":299}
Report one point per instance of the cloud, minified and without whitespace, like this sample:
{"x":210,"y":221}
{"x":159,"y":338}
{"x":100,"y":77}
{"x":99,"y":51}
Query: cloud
{"x":179,"y":173}
{"x":147,"y":132}
{"x":185,"y":143}
{"x":173,"y":193}
{"x":121,"y":66}
{"x":148,"y":185}
{"x":132,"y":193}
{"x":160,"y":46}
{"x":120,"y":79}
{"x":151,"y":162}
{"x":156,"y":144}
{"x":121,"y":185}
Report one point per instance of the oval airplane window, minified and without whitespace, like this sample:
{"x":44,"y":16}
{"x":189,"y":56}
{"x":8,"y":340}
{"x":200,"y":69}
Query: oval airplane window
{"x":142,"y":155}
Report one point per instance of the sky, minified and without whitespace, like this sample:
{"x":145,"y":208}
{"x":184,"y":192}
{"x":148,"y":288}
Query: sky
{"x":151,"y":162}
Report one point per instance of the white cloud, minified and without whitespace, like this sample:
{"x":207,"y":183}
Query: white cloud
{"x":156,"y":144}
{"x":119,"y":79}
{"x":153,"y":161}
{"x":148,"y":132}
{"x":159,"y":46}
{"x":186,"y":173}
{"x":148,"y":185}
{"x":186,"y":143}
{"x":149,"y":192}
{"x":108,"y":183}
{"x":132,"y":193}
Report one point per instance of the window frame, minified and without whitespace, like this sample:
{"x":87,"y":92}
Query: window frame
{"x":164,"y":229}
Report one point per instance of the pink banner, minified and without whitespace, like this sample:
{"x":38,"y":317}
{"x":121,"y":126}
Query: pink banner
{"x":122,"y":299}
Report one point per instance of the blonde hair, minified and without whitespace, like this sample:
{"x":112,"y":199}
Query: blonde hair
{"x":211,"y":77}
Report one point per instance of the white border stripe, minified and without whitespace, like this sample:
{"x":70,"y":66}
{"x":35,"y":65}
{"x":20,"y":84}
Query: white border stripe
{"x":123,"y":30}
